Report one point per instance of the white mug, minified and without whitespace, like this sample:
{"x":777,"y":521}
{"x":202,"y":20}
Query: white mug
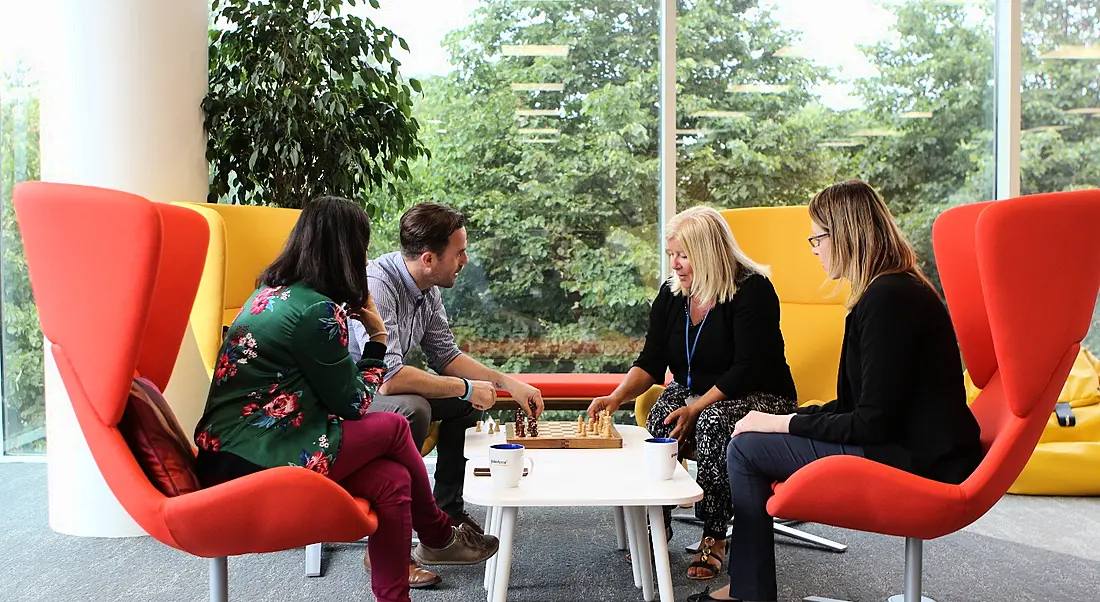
{"x":506,"y":464}
{"x":660,"y":458}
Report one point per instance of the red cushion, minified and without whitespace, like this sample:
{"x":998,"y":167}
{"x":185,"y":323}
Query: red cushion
{"x":157,"y":441}
{"x":569,"y":386}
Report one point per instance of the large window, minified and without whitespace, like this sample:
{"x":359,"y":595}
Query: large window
{"x":1060,"y":141}
{"x":542,"y":122}
{"x":780,"y":99}
{"x":22,"y":406}
{"x":542,"y":119}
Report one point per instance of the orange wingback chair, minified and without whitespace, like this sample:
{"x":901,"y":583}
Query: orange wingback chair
{"x":135,"y":266}
{"x":1021,"y":277}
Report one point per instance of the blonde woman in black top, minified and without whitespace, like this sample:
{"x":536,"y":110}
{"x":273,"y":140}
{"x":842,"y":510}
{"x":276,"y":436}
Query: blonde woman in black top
{"x":715,"y":325}
{"x":900,"y":397}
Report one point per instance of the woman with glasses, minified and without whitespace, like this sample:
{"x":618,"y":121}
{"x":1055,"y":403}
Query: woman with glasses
{"x":900,"y":397}
{"x":715,"y":325}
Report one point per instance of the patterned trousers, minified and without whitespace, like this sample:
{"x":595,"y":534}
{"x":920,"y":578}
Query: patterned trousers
{"x":712,"y":434}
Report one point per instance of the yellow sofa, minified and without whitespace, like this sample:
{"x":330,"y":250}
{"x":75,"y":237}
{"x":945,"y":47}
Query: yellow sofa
{"x":243,"y":241}
{"x":1066,"y":460}
{"x":812,"y":308}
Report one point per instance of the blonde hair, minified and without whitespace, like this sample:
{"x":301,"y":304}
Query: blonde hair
{"x":865,"y":241}
{"x":716,"y":261}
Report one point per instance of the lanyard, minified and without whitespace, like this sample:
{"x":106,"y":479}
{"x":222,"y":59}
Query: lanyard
{"x":691,"y":348}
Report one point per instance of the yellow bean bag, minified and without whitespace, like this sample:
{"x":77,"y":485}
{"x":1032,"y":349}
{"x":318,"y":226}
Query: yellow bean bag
{"x":1067,"y":459}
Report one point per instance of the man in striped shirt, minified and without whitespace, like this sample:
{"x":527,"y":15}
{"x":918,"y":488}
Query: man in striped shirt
{"x":405,"y":287}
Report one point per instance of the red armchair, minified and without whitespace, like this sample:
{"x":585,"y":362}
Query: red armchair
{"x":114,"y":277}
{"x":1021,"y":277}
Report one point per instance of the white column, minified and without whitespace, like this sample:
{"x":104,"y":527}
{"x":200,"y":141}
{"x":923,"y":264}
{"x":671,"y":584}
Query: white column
{"x":121,"y":97}
{"x":667,"y":126}
{"x":1007,"y":87}
{"x":80,"y":503}
{"x":120,"y":106}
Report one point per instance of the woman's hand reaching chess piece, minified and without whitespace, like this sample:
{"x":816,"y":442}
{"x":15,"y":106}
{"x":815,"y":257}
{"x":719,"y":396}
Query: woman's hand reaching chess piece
{"x":608,"y":403}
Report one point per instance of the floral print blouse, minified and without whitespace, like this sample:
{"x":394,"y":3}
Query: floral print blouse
{"x":284,"y":382}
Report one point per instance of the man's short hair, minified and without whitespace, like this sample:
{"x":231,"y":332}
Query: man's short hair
{"x":428,"y":227}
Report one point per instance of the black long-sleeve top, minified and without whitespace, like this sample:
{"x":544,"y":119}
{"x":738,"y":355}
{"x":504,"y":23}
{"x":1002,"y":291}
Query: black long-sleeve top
{"x":740,"y":346}
{"x":900,"y":390}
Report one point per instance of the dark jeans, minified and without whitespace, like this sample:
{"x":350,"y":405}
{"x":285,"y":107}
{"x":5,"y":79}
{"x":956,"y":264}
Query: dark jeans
{"x":755,"y":461}
{"x":455,"y":417}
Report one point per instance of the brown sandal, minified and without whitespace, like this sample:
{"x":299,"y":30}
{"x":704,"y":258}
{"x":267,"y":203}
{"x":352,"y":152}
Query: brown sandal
{"x":705,"y":555}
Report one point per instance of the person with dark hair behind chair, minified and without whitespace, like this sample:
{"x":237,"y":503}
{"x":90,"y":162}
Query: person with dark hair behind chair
{"x":286,"y":392}
{"x":900,"y":396}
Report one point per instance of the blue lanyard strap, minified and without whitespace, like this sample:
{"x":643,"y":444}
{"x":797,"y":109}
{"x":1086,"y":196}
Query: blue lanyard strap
{"x":691,"y":348}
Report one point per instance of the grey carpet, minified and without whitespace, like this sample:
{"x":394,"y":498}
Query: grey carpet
{"x":561,"y":554}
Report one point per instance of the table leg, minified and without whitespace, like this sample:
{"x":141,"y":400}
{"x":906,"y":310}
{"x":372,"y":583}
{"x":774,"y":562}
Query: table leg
{"x":632,"y":537}
{"x":491,"y":528}
{"x":491,"y":564}
{"x":660,"y":553}
{"x":645,"y":558}
{"x":620,"y":528}
{"x":503,"y":570}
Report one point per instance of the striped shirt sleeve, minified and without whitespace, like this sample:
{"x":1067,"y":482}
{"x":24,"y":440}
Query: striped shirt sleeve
{"x":439,"y":342}
{"x":386,"y":302}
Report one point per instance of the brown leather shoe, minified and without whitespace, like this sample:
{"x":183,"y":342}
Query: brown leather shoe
{"x":419,"y":577}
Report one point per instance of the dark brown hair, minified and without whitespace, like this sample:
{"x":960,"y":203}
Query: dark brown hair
{"x":428,"y":227}
{"x":326,"y":250}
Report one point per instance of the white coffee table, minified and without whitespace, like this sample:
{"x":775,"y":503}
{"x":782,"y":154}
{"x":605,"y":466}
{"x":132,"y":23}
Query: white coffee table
{"x":582,"y":477}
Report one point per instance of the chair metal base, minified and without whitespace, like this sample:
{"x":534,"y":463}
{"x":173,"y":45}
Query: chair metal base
{"x":313,"y":560}
{"x":897,"y":598}
{"x":313,"y":556}
{"x":219,"y":579}
{"x":785,"y":529}
{"x":781,"y":527}
{"x":914,"y":558}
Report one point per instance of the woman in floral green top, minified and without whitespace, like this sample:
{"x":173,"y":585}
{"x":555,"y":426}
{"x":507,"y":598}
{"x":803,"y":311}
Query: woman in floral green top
{"x":286,"y":392}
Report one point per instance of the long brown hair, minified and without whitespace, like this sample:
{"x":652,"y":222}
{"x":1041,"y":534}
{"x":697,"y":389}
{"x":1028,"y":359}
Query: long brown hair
{"x":865,"y":241}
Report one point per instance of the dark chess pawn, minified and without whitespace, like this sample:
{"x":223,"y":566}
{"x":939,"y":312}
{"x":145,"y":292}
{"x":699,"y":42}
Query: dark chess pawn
{"x":532,"y":422}
{"x":519,"y":424}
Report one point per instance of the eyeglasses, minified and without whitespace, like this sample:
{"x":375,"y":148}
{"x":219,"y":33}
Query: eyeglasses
{"x":815,"y":240}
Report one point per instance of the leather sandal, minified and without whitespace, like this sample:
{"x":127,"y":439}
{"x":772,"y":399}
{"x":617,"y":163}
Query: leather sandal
{"x":703,"y":562}
{"x":419,"y":577}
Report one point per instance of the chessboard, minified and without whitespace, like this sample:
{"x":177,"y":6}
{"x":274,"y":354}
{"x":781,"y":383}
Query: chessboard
{"x":565,"y":435}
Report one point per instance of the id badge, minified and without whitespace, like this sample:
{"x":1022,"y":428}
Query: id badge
{"x":691,"y":399}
